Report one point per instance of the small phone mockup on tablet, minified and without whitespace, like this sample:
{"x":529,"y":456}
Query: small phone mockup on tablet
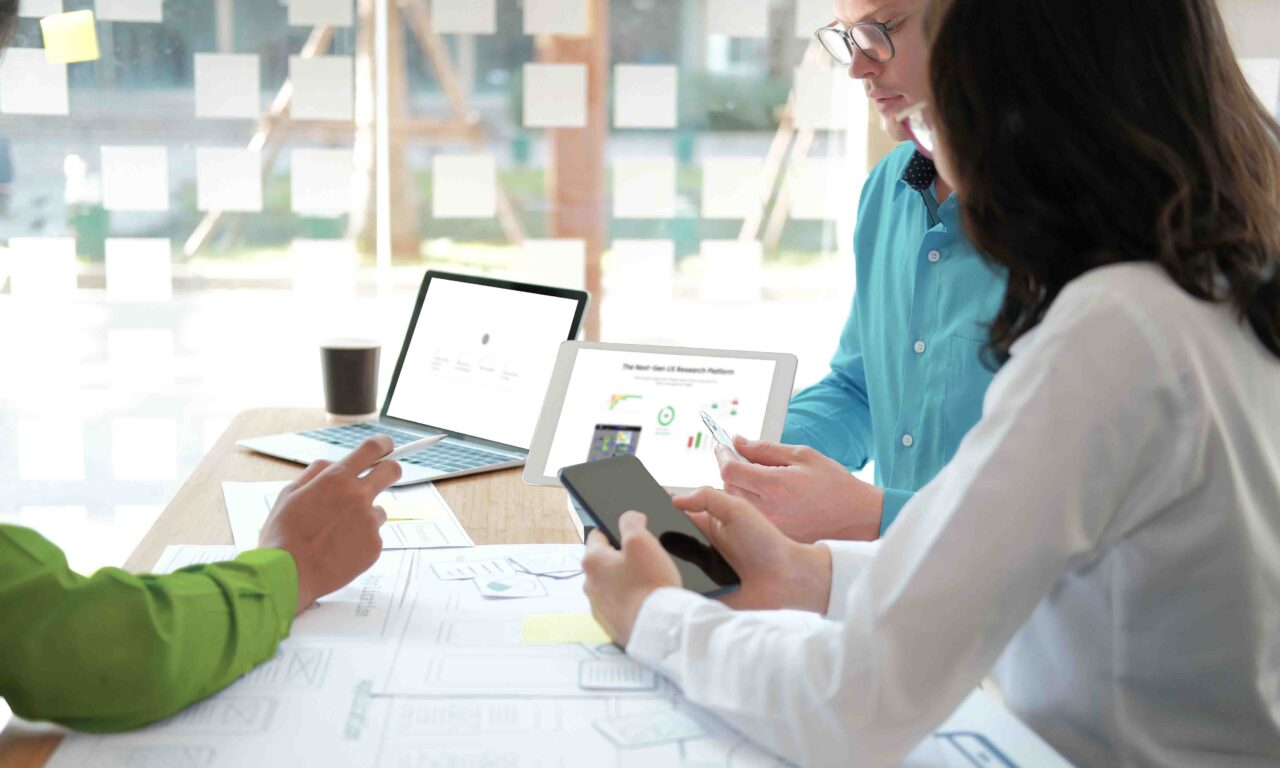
{"x":607,"y":488}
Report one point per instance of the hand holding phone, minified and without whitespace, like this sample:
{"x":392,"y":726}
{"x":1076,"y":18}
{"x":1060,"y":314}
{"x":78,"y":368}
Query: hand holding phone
{"x":607,"y":488}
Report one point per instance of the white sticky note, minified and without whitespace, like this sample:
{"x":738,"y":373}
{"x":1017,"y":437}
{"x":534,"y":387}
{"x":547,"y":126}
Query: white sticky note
{"x":820,"y":189}
{"x":1264,"y":76}
{"x":135,"y":178}
{"x":320,"y":182}
{"x":324,"y":269}
{"x":821,"y":98}
{"x":468,"y":17}
{"x":228,"y":179}
{"x":50,"y":449}
{"x":228,"y":85}
{"x":144,"y":449}
{"x":644,"y":187}
{"x":32,"y":85}
{"x":555,"y":95}
{"x":139,"y":269}
{"x":36,"y":9}
{"x":738,"y":18}
{"x":323,"y":88}
{"x":732,"y":187}
{"x":642,"y":269}
{"x":734,"y":270}
{"x":141,"y":360}
{"x":129,"y":10}
{"x":644,"y":96}
{"x":556,"y":17}
{"x":562,"y":263}
{"x":812,"y":15}
{"x":42,"y":268}
{"x":464,"y":187}
{"x":316,"y":13}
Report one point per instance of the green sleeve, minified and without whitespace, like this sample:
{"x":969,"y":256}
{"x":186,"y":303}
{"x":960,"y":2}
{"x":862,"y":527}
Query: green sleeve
{"x":115,"y":651}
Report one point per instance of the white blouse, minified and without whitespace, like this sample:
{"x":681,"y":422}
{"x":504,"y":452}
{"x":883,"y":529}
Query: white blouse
{"x":1106,"y":542}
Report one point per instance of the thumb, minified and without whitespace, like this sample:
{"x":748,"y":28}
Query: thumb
{"x":632,"y":525}
{"x":767,"y":453}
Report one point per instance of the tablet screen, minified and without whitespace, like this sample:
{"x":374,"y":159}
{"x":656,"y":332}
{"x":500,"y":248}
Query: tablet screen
{"x":645,"y":404}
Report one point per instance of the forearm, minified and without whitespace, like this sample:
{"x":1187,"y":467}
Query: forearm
{"x":834,"y":418}
{"x":116,"y":651}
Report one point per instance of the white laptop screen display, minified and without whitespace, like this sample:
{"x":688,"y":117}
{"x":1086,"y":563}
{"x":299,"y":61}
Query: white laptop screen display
{"x":480,"y":359}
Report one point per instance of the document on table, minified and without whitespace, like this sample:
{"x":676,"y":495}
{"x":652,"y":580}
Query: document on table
{"x":418,"y":517}
{"x":407,"y":667}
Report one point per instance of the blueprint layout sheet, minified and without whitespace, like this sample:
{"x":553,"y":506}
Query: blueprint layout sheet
{"x":453,"y":659}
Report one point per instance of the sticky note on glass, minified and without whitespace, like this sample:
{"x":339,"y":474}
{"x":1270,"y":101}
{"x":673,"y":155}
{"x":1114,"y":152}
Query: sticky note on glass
{"x":562,"y":263}
{"x":227,"y":85}
{"x":324,"y":269}
{"x":468,"y":17}
{"x":35,"y":9}
{"x":732,"y":187}
{"x":135,"y":178}
{"x":30,"y":84}
{"x":738,"y":18}
{"x":139,"y":269}
{"x":559,"y":628}
{"x":555,"y":95}
{"x":644,"y":187}
{"x":70,"y":37}
{"x":821,"y":190}
{"x":555,"y":17}
{"x":642,"y":269}
{"x":129,"y":10}
{"x":644,"y":96}
{"x":316,"y":13}
{"x":323,"y":87}
{"x":812,"y":15}
{"x":228,"y":180}
{"x":464,"y":187}
{"x":821,"y":99}
{"x":320,"y":182}
{"x":42,"y":268}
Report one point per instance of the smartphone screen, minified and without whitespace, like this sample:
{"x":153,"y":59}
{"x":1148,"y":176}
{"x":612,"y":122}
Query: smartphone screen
{"x":609,"y":487}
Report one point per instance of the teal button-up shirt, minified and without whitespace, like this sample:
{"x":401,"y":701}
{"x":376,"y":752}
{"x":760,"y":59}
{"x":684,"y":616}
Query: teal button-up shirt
{"x":908,"y":379}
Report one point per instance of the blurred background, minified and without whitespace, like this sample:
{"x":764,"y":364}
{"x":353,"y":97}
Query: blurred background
{"x":185,"y":217}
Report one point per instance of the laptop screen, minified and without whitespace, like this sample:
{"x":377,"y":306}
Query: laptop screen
{"x":479,"y":359}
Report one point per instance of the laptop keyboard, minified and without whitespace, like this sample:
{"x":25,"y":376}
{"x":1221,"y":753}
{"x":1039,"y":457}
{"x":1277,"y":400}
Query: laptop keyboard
{"x":445,"y":456}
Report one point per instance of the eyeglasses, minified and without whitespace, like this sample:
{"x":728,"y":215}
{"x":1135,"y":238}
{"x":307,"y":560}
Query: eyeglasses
{"x":916,"y":120}
{"x":870,"y":37}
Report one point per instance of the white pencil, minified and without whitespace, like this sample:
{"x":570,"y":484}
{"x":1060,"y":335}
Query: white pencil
{"x":413,"y":447}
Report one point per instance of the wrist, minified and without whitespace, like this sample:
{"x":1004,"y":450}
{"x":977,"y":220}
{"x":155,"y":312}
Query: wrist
{"x":863,"y":521}
{"x":810,"y":583}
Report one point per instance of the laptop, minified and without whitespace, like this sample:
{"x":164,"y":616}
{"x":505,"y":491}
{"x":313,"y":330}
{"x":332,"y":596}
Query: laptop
{"x":474,"y":366}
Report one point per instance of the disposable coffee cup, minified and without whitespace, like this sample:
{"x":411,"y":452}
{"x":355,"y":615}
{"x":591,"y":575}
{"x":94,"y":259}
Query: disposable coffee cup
{"x":350,"y":371}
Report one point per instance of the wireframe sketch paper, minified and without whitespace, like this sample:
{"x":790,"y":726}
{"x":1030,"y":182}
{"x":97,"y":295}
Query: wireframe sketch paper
{"x":432,"y":524}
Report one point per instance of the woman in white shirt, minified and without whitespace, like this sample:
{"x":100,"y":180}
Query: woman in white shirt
{"x":1106,"y":543}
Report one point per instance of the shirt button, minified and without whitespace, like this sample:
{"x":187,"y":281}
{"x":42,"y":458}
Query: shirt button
{"x":935,"y":257}
{"x":919,"y":347}
{"x":908,"y":441}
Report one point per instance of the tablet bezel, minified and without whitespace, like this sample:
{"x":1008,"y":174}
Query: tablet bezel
{"x":535,"y":468}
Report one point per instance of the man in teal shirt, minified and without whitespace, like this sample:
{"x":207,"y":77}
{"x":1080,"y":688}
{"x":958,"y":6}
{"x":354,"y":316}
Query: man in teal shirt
{"x":908,"y":379}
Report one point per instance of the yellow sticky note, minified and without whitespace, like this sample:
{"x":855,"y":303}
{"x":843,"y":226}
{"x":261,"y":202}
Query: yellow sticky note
{"x":553,"y":628}
{"x":70,"y":37}
{"x":409,"y":509}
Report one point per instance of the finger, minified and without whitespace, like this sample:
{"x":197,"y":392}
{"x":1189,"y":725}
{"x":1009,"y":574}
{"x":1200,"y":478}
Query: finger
{"x":724,"y":456}
{"x":725,"y":508}
{"x":767,"y":453}
{"x":692,"y":502}
{"x":703,"y":522}
{"x":383,"y":475}
{"x":379,"y":516}
{"x":749,"y":477}
{"x":313,"y":469}
{"x":364,"y":456}
{"x":632,"y":525}
{"x":598,"y":545}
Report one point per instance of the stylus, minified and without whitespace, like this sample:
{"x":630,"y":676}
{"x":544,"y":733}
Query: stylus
{"x":413,"y":447}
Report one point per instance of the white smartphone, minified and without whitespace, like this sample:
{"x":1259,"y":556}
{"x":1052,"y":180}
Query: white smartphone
{"x":720,"y":435}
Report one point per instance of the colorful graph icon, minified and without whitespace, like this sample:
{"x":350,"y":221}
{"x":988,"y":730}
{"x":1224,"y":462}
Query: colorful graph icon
{"x":618,"y":399}
{"x":666,"y":416}
{"x":694,"y":442}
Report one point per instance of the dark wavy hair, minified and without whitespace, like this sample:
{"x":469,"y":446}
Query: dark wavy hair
{"x":8,"y":21}
{"x":1091,"y":132}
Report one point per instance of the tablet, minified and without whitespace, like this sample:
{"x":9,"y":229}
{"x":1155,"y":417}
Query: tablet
{"x":607,"y":400}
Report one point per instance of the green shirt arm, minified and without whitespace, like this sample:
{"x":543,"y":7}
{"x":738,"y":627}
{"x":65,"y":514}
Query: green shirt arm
{"x":114,"y":651}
